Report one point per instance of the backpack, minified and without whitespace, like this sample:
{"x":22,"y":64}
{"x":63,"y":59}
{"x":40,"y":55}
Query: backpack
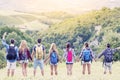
{"x":86,"y":55}
{"x":24,"y":56}
{"x":39,"y":52}
{"x":108,"y":56}
{"x":12,"y":55}
{"x":53,"y":57}
{"x":69,"y":55}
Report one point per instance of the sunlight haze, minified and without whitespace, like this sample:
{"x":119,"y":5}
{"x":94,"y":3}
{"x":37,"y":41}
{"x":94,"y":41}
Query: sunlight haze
{"x":56,"y":5}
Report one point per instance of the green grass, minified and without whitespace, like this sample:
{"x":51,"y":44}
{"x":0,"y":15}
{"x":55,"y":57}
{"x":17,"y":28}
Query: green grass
{"x":97,"y":73}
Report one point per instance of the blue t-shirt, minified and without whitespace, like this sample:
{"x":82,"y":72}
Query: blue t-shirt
{"x":7,"y":48}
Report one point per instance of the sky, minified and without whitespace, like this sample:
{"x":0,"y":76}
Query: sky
{"x":57,"y":5}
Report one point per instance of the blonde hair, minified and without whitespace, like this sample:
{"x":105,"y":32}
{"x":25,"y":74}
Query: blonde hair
{"x":23,"y":45}
{"x":53,"y":48}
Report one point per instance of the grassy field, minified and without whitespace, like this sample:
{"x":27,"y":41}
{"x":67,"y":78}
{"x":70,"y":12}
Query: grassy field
{"x":97,"y":73}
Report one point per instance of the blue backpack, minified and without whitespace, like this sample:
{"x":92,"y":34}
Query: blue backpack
{"x":86,"y":55}
{"x":53,"y":57}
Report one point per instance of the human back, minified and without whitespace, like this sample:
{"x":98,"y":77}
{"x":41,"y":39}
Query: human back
{"x":11,"y":55}
{"x":86,"y":55}
{"x":108,"y":55}
{"x":53,"y":54}
{"x":70,"y":55}
{"x":39,"y":52}
{"x":24,"y":52}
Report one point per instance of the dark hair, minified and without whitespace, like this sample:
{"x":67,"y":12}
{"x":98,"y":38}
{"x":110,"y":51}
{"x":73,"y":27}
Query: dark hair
{"x":39,"y":40}
{"x":12,"y":41}
{"x":68,"y":46}
{"x":108,"y":45}
{"x":86,"y":44}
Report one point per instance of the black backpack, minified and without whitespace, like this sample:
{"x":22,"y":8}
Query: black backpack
{"x":12,"y":55}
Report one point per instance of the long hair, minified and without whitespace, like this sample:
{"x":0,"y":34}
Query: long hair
{"x":23,"y":45}
{"x":53,"y":48}
{"x":68,"y":46}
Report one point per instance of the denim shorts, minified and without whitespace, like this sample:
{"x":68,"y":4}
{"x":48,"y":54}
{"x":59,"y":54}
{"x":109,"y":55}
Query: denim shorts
{"x":38,"y":63}
{"x":53,"y":64}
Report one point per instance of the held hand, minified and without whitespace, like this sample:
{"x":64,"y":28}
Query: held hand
{"x":31,"y":60}
{"x":60,"y":61}
{"x":96,"y":59}
{"x":78,"y":60}
{"x":45,"y":63}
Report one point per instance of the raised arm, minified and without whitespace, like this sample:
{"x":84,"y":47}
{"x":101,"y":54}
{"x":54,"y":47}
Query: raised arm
{"x":118,"y":48}
{"x":4,"y":41}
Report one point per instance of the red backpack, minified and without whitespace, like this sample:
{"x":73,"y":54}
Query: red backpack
{"x":69,"y":56}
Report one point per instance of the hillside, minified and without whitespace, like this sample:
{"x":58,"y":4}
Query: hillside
{"x":31,"y":21}
{"x":98,"y":27}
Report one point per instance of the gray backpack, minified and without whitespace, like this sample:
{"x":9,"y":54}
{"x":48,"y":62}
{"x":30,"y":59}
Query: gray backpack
{"x":108,"y":55}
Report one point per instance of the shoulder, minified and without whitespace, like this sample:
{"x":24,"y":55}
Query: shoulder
{"x":16,"y":47}
{"x":83,"y":49}
{"x":72,"y":49}
{"x":42,"y":45}
{"x":27,"y":49}
{"x":34,"y":46}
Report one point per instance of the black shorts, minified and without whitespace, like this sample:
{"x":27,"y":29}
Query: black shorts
{"x":68,"y":63}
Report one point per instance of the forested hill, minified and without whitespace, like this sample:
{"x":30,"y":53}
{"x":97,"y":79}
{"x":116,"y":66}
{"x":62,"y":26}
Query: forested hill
{"x":97,"y":27}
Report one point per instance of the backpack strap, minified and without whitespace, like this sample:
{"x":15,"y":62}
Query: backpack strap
{"x":11,"y":46}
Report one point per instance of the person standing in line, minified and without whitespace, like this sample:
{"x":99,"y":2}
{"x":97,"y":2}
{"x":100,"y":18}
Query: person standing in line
{"x":86,"y":56}
{"x":38,"y":54}
{"x":54,"y":58}
{"x":11,"y":55}
{"x":108,"y":58}
{"x":69,"y":55}
{"x":24,"y":56}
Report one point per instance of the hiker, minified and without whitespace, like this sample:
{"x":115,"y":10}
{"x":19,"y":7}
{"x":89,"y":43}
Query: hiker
{"x":24,"y":56}
{"x":54,"y":58}
{"x":108,"y":58}
{"x":86,"y":56}
{"x":69,"y":56}
{"x":11,"y":55}
{"x":38,"y":54}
